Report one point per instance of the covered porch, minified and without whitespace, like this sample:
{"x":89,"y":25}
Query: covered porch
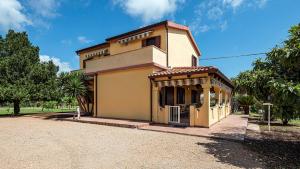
{"x":195,"y":96}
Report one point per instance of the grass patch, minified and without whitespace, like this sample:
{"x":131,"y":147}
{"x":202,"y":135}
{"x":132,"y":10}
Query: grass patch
{"x":33,"y":110}
{"x":295,"y":122}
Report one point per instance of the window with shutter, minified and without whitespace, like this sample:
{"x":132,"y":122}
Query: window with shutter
{"x":151,"y":41}
{"x":194,"y":61}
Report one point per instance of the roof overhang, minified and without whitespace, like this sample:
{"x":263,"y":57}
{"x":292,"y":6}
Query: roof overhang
{"x":189,"y":71}
{"x":166,"y":23}
{"x":94,"y":47}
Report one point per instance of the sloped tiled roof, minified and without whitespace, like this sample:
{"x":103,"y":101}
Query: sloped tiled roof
{"x":183,"y":70}
{"x":166,"y":23}
{"x":177,"y":71}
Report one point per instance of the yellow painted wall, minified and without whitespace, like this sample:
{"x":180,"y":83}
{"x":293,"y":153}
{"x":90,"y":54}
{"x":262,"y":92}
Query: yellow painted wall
{"x":124,"y":94}
{"x":82,"y":55}
{"x":180,"y":48}
{"x":116,"y":48}
{"x":81,"y":58}
{"x":149,"y":54}
{"x":214,"y":112}
{"x":201,"y":115}
{"x":219,"y":112}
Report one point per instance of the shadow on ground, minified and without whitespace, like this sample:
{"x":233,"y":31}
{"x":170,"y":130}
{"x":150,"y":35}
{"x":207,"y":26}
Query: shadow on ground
{"x":277,"y":154}
{"x":255,"y":153}
{"x":41,"y":115}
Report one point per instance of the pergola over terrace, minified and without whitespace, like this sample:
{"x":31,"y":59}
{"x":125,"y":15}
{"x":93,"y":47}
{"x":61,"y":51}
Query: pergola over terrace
{"x":191,"y":96}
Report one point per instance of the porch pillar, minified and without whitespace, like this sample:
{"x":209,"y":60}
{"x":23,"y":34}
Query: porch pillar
{"x":206,"y":104}
{"x":155,"y":103}
{"x":192,"y":115}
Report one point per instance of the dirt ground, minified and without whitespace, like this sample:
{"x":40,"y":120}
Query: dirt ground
{"x":278,"y":148}
{"x":27,"y":142}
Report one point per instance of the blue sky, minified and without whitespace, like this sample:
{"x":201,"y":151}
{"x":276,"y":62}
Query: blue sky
{"x":220,"y":27}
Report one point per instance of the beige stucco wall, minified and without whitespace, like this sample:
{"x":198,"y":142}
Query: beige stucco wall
{"x":116,"y":48}
{"x":82,"y":55}
{"x":201,"y":115}
{"x":180,"y":48}
{"x":124,"y":94}
{"x":149,"y":54}
{"x":81,"y":58}
{"x":219,"y":112}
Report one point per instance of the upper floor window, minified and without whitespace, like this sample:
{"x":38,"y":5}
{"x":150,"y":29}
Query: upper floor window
{"x":194,"y":61}
{"x":151,"y":41}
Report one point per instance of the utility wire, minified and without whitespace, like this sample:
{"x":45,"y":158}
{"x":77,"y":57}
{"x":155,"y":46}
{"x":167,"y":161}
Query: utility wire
{"x":227,"y":57}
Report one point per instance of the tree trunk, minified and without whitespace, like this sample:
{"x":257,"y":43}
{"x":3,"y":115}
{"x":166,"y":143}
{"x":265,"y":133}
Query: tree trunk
{"x":246,"y":109}
{"x":16,"y":107}
{"x":285,"y":121}
{"x":284,"y":116}
{"x":81,"y":104}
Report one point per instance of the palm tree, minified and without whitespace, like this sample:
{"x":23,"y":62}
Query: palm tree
{"x":246,"y":101}
{"x":75,"y":86}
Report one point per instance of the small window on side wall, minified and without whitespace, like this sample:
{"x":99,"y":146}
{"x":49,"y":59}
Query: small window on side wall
{"x":151,"y":41}
{"x":194,"y":61}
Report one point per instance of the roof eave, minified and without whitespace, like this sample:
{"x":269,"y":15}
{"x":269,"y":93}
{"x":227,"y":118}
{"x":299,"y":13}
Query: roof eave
{"x":92,"y":47}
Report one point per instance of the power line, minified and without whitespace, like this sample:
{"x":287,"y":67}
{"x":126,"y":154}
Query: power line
{"x":234,"y":56}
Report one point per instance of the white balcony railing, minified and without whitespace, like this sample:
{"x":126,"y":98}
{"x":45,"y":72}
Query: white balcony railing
{"x":149,"y":54}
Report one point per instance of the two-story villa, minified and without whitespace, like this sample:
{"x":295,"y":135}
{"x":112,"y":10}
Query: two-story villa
{"x":152,"y":74}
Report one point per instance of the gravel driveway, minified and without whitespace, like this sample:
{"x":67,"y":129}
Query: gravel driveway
{"x":27,"y":142}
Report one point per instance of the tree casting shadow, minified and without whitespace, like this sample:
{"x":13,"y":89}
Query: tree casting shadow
{"x":255,"y":154}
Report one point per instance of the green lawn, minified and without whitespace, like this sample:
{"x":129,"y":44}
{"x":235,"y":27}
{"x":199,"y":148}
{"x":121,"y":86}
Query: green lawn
{"x":32,"y":110}
{"x":295,"y":122}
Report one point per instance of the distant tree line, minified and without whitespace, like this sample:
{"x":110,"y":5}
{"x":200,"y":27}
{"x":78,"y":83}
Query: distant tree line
{"x":275,"y":79}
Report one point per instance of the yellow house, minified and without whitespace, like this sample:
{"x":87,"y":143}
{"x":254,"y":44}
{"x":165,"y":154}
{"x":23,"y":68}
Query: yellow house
{"x":152,"y":74}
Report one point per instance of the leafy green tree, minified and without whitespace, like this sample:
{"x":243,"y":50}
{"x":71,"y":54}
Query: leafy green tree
{"x":22,"y":75}
{"x":277,"y":77}
{"x":244,"y":83}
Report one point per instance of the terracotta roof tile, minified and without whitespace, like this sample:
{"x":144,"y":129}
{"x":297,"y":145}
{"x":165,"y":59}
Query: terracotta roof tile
{"x":184,"y":70}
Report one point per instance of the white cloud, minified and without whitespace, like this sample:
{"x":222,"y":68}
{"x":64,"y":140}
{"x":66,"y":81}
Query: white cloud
{"x":214,"y":14}
{"x":233,"y":3}
{"x":261,"y":3}
{"x":66,"y":41}
{"x":45,"y":8}
{"x":83,"y":39}
{"x":12,"y":15}
{"x":204,"y":28}
{"x":223,"y":26}
{"x":63,"y":66}
{"x":148,"y":10}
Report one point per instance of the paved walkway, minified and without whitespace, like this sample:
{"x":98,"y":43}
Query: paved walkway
{"x":92,"y":120}
{"x":232,"y":127}
{"x":111,"y":122}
